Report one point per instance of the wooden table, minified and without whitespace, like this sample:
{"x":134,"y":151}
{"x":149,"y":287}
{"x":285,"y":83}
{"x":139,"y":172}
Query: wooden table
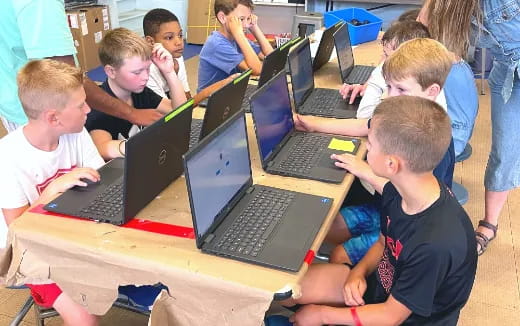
{"x":90,"y":260}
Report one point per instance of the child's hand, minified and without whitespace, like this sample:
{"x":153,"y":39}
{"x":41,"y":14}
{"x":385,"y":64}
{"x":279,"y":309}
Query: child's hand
{"x":301,"y":123}
{"x":354,"y":90}
{"x":354,"y":288}
{"x":163,"y":59}
{"x":235,"y":26}
{"x":254,"y":23}
{"x":308,"y":315}
{"x":355,"y":165}
{"x":71,"y":179}
{"x":176,"y":66}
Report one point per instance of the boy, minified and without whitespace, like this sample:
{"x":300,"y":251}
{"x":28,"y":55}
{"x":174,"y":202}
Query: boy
{"x":126,"y":58}
{"x":418,"y":67}
{"x":162,"y":26}
{"x":227,"y":50}
{"x":422,"y":268}
{"x":50,"y":154}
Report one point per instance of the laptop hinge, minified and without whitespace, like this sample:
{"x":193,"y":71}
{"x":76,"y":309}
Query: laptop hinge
{"x":270,"y":163}
{"x":209,"y":238}
{"x":250,"y":190}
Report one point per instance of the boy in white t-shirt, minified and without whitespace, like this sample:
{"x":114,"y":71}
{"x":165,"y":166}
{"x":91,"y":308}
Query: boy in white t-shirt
{"x":47,"y":156}
{"x":162,"y":26}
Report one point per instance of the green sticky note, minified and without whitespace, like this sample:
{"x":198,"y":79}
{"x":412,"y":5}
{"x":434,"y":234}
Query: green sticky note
{"x":342,"y":145}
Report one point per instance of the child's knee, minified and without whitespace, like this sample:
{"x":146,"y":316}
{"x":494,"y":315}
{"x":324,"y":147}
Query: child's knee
{"x":339,"y":256}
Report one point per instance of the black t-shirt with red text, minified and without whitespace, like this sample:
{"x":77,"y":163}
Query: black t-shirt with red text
{"x":430,"y":258}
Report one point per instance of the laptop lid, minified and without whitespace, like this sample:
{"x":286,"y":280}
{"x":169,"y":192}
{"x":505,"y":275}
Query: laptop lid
{"x":154,"y":158}
{"x":275,"y":61}
{"x":326,"y":46}
{"x":300,"y":66}
{"x":272,"y":116}
{"x":224,"y":103}
{"x":218,"y":168}
{"x":344,"y":51}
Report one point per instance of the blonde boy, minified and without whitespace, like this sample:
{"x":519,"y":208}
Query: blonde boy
{"x":48,"y":155}
{"x":419,"y":68}
{"x":422,"y":268}
{"x":126,"y":58}
{"x":228,"y":51}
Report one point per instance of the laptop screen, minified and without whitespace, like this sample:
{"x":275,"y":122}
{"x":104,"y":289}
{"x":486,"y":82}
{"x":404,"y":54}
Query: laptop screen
{"x":217,"y":172}
{"x":272,"y":114}
{"x":301,"y":71}
{"x":344,"y":51}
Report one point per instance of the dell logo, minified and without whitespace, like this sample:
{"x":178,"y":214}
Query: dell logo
{"x":226,"y":112}
{"x":162,"y":157}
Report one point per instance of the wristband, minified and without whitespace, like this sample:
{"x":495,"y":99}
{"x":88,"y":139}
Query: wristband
{"x":355,"y":317}
{"x":119,"y":147}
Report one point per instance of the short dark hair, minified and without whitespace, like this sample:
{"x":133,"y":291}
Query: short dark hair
{"x":153,"y":20}
{"x":414,"y":128}
{"x":227,"y":6}
{"x":402,"y":31}
{"x":409,"y":15}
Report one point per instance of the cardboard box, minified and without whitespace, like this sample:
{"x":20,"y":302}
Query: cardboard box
{"x":201,"y":20}
{"x":88,"y":26}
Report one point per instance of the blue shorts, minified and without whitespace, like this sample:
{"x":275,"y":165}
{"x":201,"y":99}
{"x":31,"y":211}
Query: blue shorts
{"x":363,"y":222}
{"x":142,"y":295}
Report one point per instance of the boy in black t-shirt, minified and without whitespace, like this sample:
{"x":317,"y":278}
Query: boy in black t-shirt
{"x":421,"y":270}
{"x":126,"y":58}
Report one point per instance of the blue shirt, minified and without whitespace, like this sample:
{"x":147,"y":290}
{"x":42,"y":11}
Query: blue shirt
{"x":29,"y":29}
{"x":219,"y":58}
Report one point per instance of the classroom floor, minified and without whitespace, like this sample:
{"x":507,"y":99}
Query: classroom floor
{"x":495,"y":298}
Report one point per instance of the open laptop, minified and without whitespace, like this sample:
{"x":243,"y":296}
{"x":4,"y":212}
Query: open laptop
{"x":326,"y":46}
{"x":245,"y":221}
{"x":153,"y":160}
{"x":285,"y":151}
{"x":324,"y":102}
{"x":350,"y":73}
{"x":222,"y":104}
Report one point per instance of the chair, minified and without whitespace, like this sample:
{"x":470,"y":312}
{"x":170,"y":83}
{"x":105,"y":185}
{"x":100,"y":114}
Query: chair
{"x":460,"y":192}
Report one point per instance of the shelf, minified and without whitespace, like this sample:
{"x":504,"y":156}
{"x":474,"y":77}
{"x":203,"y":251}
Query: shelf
{"x":129,"y":15}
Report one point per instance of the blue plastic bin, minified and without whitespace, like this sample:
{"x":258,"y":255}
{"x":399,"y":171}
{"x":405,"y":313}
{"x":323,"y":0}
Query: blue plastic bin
{"x":358,"y":34}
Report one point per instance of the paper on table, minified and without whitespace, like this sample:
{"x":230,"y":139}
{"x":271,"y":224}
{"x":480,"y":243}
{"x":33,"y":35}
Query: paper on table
{"x":342,"y":145}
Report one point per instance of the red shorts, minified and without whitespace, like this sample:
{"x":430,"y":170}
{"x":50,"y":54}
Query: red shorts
{"x":44,"y":294}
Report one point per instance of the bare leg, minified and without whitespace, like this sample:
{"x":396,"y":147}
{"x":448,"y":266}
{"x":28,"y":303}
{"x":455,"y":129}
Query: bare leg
{"x":338,"y":232}
{"x":494,"y":201}
{"x":72,"y":313}
{"x":339,"y":256}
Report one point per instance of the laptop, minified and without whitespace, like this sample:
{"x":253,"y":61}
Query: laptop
{"x":153,"y":160}
{"x":222,"y":104}
{"x":324,"y":102}
{"x":244,"y":221}
{"x":326,"y":46}
{"x":350,"y":73}
{"x":288,"y":152}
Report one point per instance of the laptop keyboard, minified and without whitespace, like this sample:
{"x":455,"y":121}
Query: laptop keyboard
{"x":196,"y":127}
{"x":359,"y":75}
{"x":305,"y":153}
{"x":251,"y":229}
{"x":107,"y":204}
{"x":322,"y":103}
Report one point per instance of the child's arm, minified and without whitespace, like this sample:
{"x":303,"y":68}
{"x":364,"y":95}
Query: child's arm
{"x":106,"y":146}
{"x":206,"y":92}
{"x":251,"y":60}
{"x":164,"y":61}
{"x":375,"y":88}
{"x":347,"y":127}
{"x":260,"y":37}
{"x":360,"y":168}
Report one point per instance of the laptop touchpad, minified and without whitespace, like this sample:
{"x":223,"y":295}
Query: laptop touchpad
{"x":327,"y":162}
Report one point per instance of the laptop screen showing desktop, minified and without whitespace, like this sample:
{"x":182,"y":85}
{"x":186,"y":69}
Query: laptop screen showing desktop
{"x":218,"y":171}
{"x":272,"y":114}
{"x":301,"y":71}
{"x":344,"y":51}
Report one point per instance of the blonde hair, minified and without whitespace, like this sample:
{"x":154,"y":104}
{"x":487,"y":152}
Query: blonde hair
{"x":120,"y":44}
{"x":426,"y":60}
{"x":449,"y":22}
{"x":414,"y":128}
{"x":46,"y":84}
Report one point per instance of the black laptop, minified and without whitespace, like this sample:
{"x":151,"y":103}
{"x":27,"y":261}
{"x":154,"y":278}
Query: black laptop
{"x":245,"y":221}
{"x":285,"y":151}
{"x":324,"y":102}
{"x":221,"y":105}
{"x":153,"y":160}
{"x":326,"y":46}
{"x":350,"y":73}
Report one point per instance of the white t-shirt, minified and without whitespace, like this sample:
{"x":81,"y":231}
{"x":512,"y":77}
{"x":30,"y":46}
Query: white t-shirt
{"x":26,"y":171}
{"x":158,"y":84}
{"x":376,"y":86}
